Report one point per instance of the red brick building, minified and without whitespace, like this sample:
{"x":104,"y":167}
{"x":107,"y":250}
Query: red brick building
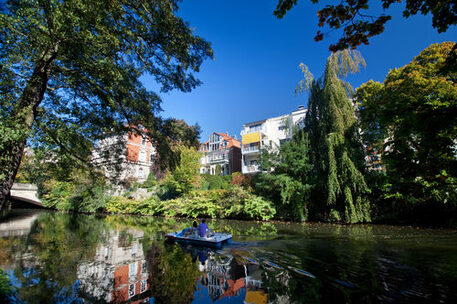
{"x":125,"y":157}
{"x":220,"y":151}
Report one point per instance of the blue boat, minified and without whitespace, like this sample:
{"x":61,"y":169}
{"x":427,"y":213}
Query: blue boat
{"x":217,"y":240}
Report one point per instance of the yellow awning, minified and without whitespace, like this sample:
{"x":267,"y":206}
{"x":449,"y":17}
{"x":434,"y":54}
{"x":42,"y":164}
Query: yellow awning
{"x":251,"y":138}
{"x":256,"y":297}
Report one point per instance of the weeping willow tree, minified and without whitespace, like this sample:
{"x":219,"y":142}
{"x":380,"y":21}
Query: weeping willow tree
{"x":339,"y":190}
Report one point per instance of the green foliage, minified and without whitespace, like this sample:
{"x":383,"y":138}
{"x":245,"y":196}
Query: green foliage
{"x":218,"y":170}
{"x":6,"y":288}
{"x":70,"y":74}
{"x":175,"y":274}
{"x":123,"y":205}
{"x":186,"y":176}
{"x":288,"y":184}
{"x":411,"y":116}
{"x":362,"y":25}
{"x":335,"y":147}
{"x":150,"y":182}
{"x":55,"y":242}
{"x":83,"y":192}
{"x":214,"y":182}
{"x":233,"y":203}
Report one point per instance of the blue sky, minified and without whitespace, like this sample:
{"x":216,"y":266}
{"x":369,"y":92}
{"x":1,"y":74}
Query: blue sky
{"x":256,"y":57}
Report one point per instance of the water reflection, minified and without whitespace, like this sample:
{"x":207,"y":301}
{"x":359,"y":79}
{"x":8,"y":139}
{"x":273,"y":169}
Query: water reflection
{"x":118,"y":271}
{"x":64,"y":258}
{"x":226,"y":275}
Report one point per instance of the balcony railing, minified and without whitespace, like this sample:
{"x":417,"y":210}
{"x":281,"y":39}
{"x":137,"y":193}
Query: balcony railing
{"x":253,"y":130}
{"x":251,"y":169}
{"x":218,"y":157}
{"x":250,"y":149}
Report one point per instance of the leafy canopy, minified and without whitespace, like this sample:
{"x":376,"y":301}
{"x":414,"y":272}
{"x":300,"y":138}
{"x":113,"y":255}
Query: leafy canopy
{"x":94,"y":54}
{"x":412,"y":115}
{"x":359,"y":27}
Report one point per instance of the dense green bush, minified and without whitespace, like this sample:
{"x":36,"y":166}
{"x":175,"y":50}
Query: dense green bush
{"x":83,"y":193}
{"x":120,"y":204}
{"x":233,"y":203}
{"x":215,"y":182}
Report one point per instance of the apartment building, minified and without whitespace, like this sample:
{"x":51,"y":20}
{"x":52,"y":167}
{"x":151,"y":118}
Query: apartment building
{"x":124,"y":157}
{"x":220,"y":151}
{"x":268,"y":134}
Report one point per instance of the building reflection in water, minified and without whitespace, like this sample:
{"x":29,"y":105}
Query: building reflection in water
{"x":118,"y":272}
{"x":227,"y":275}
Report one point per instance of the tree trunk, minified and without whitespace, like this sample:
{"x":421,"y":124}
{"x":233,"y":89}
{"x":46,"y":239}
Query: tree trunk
{"x":22,"y":118}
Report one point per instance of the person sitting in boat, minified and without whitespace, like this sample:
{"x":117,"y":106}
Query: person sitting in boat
{"x":191,"y":231}
{"x":204,"y":230}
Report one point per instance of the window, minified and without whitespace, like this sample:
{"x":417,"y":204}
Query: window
{"x":143,"y":286}
{"x":131,"y":290}
{"x":255,"y":128}
{"x":140,"y":173}
{"x":214,"y":138}
{"x":132,"y":269}
{"x":142,"y":157}
{"x":133,"y":249}
{"x":143,"y":141}
{"x":281,"y":128}
{"x":151,"y":158}
{"x":144,"y":267}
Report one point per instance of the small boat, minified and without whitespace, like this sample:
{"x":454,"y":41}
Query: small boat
{"x":215,"y":240}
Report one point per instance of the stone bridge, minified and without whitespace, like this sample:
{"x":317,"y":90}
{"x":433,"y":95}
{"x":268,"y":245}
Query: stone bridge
{"x":25,"y":196}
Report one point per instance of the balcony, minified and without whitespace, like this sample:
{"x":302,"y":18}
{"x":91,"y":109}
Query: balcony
{"x":252,"y":130}
{"x":217,"y":157}
{"x":250,"y":149}
{"x":250,"y":169}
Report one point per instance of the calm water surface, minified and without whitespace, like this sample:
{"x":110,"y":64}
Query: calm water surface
{"x":61,"y":258}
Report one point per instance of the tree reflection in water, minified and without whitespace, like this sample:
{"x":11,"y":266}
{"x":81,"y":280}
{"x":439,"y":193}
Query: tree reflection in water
{"x":63,"y":258}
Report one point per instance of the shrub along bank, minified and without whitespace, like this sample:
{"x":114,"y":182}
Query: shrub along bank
{"x":225,"y":201}
{"x":182,"y":192}
{"x":235,"y":203}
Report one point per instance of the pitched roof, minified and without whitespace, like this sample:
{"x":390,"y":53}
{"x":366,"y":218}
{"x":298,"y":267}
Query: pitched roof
{"x":232,"y":142}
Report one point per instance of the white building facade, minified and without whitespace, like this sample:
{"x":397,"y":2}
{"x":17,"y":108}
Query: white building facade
{"x":268,"y":134}
{"x":124,"y":157}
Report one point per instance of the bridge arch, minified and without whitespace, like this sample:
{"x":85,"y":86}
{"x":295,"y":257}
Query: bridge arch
{"x":25,"y":196}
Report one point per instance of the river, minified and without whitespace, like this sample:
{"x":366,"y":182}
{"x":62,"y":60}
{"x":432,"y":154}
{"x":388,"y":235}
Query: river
{"x":54,"y":257}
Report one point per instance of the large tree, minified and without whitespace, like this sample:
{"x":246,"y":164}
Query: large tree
{"x":339,"y":190}
{"x":71,"y":70}
{"x":412,"y":115}
{"x":359,"y":25}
